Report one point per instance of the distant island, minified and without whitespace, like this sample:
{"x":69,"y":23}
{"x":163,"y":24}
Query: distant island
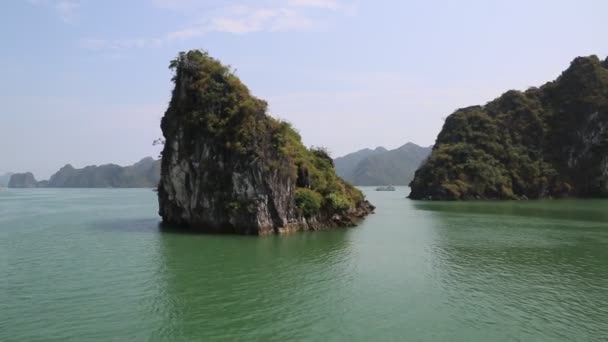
{"x":22,"y":180}
{"x":228,"y":167}
{"x":143,"y":174}
{"x":380,"y":166}
{"x":544,"y":142}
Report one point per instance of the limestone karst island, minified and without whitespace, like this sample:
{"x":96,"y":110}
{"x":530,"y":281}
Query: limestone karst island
{"x":304,"y":170}
{"x":550,"y":141}
{"x":228,"y":167}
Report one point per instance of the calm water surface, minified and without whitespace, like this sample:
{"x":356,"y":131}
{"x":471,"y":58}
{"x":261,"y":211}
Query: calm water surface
{"x":93,"y":265}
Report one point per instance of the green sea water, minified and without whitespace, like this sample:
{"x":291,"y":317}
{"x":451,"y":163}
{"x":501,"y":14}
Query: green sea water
{"x":93,"y":265}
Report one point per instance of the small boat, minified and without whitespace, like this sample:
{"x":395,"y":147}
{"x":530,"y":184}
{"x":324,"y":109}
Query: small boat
{"x":386,"y":188}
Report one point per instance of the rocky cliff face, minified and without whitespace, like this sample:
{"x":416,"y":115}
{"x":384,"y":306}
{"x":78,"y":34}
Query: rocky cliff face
{"x":23,"y":180}
{"x":550,"y":141}
{"x":227,"y":167}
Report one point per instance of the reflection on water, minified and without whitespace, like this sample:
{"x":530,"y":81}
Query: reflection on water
{"x":578,"y":210}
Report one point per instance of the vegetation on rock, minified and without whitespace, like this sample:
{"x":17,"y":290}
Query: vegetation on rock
{"x":550,"y":141}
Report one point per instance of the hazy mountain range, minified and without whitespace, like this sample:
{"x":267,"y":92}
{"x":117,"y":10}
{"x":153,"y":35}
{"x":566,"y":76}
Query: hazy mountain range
{"x":143,"y":174}
{"x":5,"y":178}
{"x":364,"y":167}
{"x":381,"y":166}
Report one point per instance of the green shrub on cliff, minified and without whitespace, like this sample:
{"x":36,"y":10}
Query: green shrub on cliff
{"x":313,"y":169}
{"x":308,"y":201}
{"x":338,"y":201}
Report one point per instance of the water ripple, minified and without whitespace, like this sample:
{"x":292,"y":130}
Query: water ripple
{"x":95,"y":266}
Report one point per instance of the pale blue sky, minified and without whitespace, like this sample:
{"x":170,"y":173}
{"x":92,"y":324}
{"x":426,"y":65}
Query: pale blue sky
{"x":86,"y":82}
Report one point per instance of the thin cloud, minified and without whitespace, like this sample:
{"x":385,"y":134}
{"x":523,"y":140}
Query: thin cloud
{"x":244,"y":19}
{"x":327,"y":4}
{"x":187,"y":33}
{"x":67,"y":10}
{"x":241,"y":18}
{"x":120,"y":44}
{"x":247,"y":20}
{"x":344,"y":7}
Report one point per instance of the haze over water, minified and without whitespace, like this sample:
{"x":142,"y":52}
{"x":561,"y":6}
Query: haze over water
{"x":93,"y":264}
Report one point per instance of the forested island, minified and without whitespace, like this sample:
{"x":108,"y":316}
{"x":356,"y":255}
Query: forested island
{"x":143,"y":174}
{"x":228,"y":167}
{"x":550,"y":141}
